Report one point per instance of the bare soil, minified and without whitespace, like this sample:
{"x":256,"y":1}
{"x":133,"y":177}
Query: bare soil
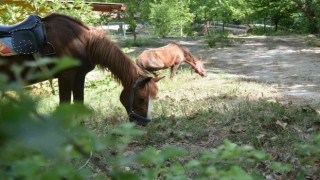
{"x":287,"y":63}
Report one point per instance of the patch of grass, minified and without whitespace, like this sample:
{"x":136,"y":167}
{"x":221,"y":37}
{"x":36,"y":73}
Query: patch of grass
{"x":139,"y":42}
{"x":313,"y":41}
{"x":200,"y":113}
{"x":219,"y":39}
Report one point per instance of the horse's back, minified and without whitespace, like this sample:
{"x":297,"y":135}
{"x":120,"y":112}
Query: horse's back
{"x":150,"y":60}
{"x":165,"y":56}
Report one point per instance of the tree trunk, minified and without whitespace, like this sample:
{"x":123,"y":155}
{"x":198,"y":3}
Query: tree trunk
{"x":134,"y":34}
{"x":264,"y":25}
{"x":223,"y":24}
{"x":276,"y":20}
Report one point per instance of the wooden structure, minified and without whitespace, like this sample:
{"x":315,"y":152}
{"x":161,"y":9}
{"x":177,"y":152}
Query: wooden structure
{"x":96,"y":6}
{"x":106,"y":7}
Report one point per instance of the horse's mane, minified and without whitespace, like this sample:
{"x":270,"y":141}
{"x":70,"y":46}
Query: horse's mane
{"x":184,"y":49}
{"x":57,"y":15}
{"x":104,"y":52}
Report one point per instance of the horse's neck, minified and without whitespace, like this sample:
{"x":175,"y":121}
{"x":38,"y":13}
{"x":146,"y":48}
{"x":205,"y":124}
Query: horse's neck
{"x":110,"y":56}
{"x":124,"y":70}
{"x":188,"y":58}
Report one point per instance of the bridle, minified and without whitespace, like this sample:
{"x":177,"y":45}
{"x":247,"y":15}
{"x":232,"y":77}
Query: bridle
{"x":132,"y":115}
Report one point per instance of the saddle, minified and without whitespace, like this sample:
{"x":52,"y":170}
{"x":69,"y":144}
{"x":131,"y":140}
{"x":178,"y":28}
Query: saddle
{"x":27,"y":37}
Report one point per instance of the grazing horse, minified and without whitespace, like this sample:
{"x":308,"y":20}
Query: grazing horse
{"x":68,"y":36}
{"x":171,"y":55}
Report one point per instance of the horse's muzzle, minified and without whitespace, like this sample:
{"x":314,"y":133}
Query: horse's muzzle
{"x":140,"y":120}
{"x":203,"y":74}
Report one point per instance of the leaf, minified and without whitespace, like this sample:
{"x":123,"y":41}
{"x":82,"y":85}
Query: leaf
{"x":172,"y":152}
{"x":177,"y":168}
{"x":65,"y":63}
{"x":260,"y":155}
{"x":237,"y":173}
{"x":128,"y":129}
{"x":124,"y":175}
{"x":149,"y":156}
{"x":193,"y":163}
{"x":71,"y":114}
{"x":229,"y":145}
{"x":281,"y":166}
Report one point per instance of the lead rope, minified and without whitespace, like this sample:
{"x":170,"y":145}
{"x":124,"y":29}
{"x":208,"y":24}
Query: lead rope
{"x":44,"y":68}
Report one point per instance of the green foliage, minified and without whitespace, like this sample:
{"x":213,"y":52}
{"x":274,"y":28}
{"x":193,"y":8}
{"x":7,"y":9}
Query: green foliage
{"x":11,"y":14}
{"x":309,"y":154}
{"x":228,"y":161}
{"x":165,"y":16}
{"x":218,"y":37}
{"x":54,"y":145}
{"x":141,"y":42}
{"x":136,"y":12}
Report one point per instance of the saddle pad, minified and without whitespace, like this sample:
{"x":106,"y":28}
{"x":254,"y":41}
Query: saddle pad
{"x":6,"y":48}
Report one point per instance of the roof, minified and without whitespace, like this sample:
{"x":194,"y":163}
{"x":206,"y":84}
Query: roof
{"x":106,"y":7}
{"x":96,"y":6}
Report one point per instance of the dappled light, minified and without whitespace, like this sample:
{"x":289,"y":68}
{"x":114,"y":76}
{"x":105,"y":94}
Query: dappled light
{"x":244,"y":105}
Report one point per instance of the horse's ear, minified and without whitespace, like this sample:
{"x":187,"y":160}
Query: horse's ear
{"x":156,"y":79}
{"x":145,"y":81}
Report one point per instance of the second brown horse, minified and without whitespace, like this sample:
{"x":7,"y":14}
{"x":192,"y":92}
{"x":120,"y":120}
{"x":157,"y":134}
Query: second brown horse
{"x":169,"y":56}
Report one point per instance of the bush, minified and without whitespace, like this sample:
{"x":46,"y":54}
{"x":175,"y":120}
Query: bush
{"x":218,"y":37}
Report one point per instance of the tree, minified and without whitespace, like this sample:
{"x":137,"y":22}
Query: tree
{"x":13,"y":13}
{"x":219,"y":10}
{"x":165,"y":16}
{"x":274,"y":9}
{"x":203,"y":10}
{"x":137,"y":11}
{"x":311,"y":10}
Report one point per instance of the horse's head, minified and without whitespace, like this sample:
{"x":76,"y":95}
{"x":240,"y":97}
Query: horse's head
{"x":196,"y":63}
{"x":199,"y":67}
{"x":138,"y":99}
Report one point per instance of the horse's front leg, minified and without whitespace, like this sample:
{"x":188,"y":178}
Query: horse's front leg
{"x":174,"y":70}
{"x":65,"y":80}
{"x":78,"y":87}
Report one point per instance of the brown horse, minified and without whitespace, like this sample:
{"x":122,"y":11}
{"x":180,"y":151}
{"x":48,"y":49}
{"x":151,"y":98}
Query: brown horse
{"x":91,"y":47}
{"x":171,"y":55}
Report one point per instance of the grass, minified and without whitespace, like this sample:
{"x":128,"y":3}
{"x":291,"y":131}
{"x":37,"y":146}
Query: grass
{"x":200,"y":113}
{"x":313,"y":41}
{"x":140,"y":42}
{"x":195,"y":109}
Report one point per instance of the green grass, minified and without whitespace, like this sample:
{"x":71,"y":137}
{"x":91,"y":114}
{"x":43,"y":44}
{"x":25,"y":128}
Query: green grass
{"x":313,"y":41}
{"x":200,"y":113}
{"x":140,"y":42}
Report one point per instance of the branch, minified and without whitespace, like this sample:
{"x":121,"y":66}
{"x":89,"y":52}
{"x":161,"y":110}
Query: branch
{"x":95,"y":162}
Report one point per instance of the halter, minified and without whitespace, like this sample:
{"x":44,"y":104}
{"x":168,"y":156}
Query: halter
{"x":132,"y":114}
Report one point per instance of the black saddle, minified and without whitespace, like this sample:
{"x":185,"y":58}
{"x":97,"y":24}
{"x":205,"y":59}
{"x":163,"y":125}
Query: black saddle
{"x":28,"y":36}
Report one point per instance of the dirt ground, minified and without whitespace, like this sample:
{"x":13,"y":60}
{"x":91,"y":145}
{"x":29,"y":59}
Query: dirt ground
{"x":288,"y":63}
